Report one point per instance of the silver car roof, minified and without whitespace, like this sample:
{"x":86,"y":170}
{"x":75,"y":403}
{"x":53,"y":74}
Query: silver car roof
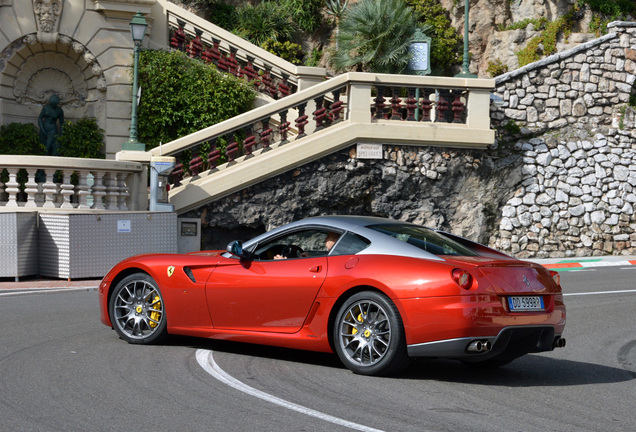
{"x":381,"y":244}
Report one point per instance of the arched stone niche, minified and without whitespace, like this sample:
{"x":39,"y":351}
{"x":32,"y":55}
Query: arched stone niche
{"x":32,"y":70}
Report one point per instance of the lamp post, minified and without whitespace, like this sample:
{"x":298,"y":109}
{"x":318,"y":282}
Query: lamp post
{"x":419,"y":62}
{"x":138,"y":30}
{"x":465,"y":73}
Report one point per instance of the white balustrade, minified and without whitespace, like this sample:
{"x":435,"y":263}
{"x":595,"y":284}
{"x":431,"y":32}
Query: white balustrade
{"x":56,"y":183}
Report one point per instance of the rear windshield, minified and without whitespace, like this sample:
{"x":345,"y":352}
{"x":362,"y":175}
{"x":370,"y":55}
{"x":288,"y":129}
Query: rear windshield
{"x":425,"y":239}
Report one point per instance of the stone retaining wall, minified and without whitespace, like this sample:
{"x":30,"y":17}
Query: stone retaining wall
{"x":579,"y":168}
{"x":583,"y":86}
{"x":576,"y":198}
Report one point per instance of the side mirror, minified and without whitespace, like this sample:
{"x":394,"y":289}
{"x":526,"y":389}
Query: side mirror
{"x":235,"y":248}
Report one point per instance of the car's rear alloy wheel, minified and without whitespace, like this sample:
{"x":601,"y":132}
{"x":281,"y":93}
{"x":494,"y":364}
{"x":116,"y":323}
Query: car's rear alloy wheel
{"x":137,"y":309}
{"x":369,"y":335}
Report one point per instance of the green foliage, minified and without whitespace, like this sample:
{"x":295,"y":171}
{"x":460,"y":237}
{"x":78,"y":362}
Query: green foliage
{"x":374,"y":36}
{"x":82,"y":139}
{"x":496,"y":68}
{"x":613,"y":9}
{"x":20,"y":139}
{"x":539,"y":23}
{"x":512,"y":128}
{"x":446,"y":43}
{"x":606,"y":11}
{"x":336,"y":8}
{"x":314,"y":58}
{"x":267,"y":21}
{"x":621,"y":123}
{"x":598,"y":25}
{"x":545,"y":43}
{"x":222,"y":14}
{"x":181,"y":96}
{"x":289,"y":51}
{"x":305,"y":13}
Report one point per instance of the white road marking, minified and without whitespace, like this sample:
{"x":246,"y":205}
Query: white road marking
{"x":600,"y":292}
{"x":31,"y":291}
{"x":206,"y":361}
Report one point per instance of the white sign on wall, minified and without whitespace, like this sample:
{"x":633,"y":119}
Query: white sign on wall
{"x":124,"y":226}
{"x":369,"y":151}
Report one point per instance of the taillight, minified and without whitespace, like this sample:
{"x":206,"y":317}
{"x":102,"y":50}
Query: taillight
{"x":462,"y":278}
{"x":556,"y":277}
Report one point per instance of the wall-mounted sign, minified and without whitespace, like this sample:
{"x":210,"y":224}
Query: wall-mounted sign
{"x":369,"y":151}
{"x":188,"y":228}
{"x":124,"y":226}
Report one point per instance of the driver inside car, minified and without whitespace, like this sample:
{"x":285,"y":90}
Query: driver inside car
{"x":330,"y":240}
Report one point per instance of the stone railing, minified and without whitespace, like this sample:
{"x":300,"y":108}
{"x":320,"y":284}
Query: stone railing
{"x":270,"y":74}
{"x":67,"y":184}
{"x":373,"y":108}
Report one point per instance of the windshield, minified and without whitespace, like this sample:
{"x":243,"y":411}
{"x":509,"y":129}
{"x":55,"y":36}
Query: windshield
{"x":425,"y":239}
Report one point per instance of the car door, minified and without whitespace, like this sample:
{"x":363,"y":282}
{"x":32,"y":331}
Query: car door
{"x":268,"y":296}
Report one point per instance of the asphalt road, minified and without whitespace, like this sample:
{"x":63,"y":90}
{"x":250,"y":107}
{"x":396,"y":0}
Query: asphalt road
{"x":62,"y":370}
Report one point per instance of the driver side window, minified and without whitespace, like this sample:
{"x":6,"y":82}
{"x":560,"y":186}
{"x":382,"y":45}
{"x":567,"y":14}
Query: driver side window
{"x":297,"y":244}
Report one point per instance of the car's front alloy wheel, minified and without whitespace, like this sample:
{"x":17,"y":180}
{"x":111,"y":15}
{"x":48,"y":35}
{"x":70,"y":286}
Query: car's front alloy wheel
{"x":369,"y":335}
{"x":137,"y":309}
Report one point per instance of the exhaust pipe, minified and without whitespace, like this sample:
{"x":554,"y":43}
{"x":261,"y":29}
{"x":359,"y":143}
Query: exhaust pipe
{"x":559,"y":342}
{"x":479,"y":346}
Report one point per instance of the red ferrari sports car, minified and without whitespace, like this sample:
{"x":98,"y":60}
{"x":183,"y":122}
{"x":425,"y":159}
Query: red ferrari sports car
{"x":376,"y":291}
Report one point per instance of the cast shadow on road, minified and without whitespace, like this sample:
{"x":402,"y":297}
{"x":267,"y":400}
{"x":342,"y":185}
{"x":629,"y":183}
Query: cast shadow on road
{"x":527,"y":371}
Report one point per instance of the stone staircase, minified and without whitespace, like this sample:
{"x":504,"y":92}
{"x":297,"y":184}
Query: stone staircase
{"x":305,"y":115}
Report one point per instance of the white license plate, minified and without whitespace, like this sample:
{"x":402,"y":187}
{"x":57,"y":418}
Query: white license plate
{"x":525,"y":303}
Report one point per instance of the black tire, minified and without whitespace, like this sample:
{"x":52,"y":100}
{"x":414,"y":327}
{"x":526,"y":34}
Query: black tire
{"x":137,"y":310}
{"x":368,"y":335}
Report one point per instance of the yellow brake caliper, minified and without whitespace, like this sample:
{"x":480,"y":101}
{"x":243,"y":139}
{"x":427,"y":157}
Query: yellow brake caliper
{"x":155,"y":315}
{"x":360,"y":319}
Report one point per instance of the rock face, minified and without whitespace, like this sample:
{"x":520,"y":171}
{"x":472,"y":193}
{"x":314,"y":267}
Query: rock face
{"x":455,"y":190}
{"x":487,"y":17}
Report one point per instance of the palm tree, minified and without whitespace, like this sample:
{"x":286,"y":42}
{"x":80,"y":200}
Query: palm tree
{"x":375,"y":36}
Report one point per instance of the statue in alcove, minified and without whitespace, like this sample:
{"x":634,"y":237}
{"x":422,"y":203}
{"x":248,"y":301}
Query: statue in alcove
{"x":50,"y":116}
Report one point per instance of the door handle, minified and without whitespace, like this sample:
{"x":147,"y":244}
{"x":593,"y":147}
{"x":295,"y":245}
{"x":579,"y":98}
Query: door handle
{"x":315,"y":269}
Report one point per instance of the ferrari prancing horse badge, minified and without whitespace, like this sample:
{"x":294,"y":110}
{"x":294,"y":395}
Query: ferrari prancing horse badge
{"x":170,"y":271}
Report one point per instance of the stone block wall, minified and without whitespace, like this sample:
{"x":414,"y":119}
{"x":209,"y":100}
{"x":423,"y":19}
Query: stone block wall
{"x":576,"y":196}
{"x":583,"y":86}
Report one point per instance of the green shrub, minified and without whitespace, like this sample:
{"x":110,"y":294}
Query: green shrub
{"x":20,"y":139}
{"x":496,"y":68}
{"x":82,"y":139}
{"x":547,"y":39}
{"x":222,"y":14}
{"x":266,"y":21}
{"x":182,"y":95}
{"x":289,"y":51}
{"x":305,"y":13}
{"x":314,"y":58}
{"x":613,"y":9}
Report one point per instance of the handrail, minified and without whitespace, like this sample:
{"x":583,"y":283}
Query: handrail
{"x":61,"y":183}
